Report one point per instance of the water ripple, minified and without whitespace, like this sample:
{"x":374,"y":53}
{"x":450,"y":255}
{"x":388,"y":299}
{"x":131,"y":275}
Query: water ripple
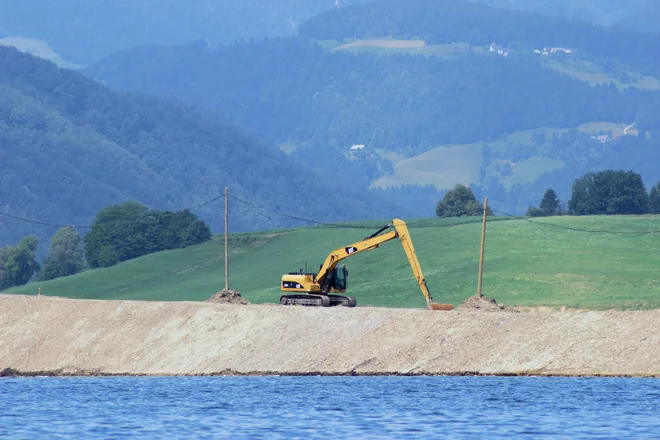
{"x":329,"y":407}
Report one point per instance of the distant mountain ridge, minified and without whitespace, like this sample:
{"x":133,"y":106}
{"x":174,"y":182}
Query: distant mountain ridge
{"x":452,"y":21}
{"x":603,"y":12}
{"x":84,"y":31}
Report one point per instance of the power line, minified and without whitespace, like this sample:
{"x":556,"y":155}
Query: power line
{"x":413,"y":224}
{"x":293,"y":217}
{"x":206,"y":203}
{"x":570,"y":228}
{"x":42,"y":223}
{"x":59,"y":225}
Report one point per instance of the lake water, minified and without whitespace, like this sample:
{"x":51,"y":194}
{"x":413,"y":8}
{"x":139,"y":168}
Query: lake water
{"x":329,"y":407}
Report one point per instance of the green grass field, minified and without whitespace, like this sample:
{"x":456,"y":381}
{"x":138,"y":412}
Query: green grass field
{"x":526,"y":265}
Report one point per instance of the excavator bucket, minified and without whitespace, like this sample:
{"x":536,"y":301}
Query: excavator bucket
{"x":444,"y":307}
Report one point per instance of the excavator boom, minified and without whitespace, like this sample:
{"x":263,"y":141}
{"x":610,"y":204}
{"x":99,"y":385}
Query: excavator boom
{"x":406,"y":242}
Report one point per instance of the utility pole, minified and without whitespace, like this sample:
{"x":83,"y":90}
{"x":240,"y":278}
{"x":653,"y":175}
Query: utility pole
{"x":483,"y":247}
{"x":226,"y":238}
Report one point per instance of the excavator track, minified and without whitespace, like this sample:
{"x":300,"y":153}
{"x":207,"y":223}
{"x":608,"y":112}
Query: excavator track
{"x":318,"y":300}
{"x":340,"y":300}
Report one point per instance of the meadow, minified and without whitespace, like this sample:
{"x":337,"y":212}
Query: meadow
{"x":549,"y":262}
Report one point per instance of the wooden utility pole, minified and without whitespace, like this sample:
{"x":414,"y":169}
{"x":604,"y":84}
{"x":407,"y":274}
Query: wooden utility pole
{"x":483,"y":247}
{"x":226,"y":238}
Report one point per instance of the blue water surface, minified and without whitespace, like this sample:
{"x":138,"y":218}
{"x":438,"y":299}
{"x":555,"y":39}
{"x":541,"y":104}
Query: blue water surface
{"x":329,"y":407}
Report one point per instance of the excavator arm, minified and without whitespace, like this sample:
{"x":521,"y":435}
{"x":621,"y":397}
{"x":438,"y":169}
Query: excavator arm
{"x":406,"y":242}
{"x":372,"y":242}
{"x":336,"y":256}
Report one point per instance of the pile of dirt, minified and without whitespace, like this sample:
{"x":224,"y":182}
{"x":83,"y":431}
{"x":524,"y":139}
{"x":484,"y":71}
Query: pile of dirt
{"x":228,"y":297}
{"x":484,"y":304}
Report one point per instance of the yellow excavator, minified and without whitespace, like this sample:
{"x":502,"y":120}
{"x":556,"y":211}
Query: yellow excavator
{"x":322,"y":288}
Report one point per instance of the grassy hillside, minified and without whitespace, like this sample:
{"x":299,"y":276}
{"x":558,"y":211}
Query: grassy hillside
{"x":526,"y":264}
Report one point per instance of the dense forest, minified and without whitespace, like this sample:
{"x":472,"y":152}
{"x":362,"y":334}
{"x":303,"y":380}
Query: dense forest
{"x":604,"y":12}
{"x":84,"y":31}
{"x":481,"y":25}
{"x":646,"y":19}
{"x":70,"y":146}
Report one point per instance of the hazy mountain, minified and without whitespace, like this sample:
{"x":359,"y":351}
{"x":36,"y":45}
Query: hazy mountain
{"x":471,"y":116}
{"x":451,"y":21}
{"x":70,"y":146}
{"x":84,"y":31}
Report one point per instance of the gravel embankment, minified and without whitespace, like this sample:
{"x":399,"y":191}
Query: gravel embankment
{"x":64,"y":336}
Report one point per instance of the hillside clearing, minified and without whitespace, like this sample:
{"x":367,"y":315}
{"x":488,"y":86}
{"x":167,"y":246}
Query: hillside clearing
{"x":591,"y":73}
{"x":442,"y":167}
{"x":448,"y":165}
{"x":383,"y":43}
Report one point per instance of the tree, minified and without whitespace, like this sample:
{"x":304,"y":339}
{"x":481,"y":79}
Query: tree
{"x":65,"y":256}
{"x":550,"y":205}
{"x":130,"y":230}
{"x":20,"y":263}
{"x":609,"y":192}
{"x":459,"y":202}
{"x":654,"y":199}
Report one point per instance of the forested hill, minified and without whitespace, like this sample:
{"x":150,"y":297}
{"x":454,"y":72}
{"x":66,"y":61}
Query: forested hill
{"x":605,"y":12}
{"x":646,"y":19}
{"x":450,"y":21}
{"x":84,"y":31}
{"x":70,"y":146}
{"x":292,"y":91}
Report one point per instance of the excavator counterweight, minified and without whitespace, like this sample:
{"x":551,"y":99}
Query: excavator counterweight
{"x":322,"y":288}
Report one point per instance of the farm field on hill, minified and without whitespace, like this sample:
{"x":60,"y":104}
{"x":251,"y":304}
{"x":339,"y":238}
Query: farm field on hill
{"x":447,"y":165}
{"x":527,"y":265}
{"x":575,"y":67}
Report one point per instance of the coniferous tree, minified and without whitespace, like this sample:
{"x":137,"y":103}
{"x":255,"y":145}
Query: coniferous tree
{"x":654,"y":199}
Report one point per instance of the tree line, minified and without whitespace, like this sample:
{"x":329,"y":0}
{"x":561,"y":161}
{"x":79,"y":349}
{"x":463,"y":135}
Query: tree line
{"x":119,"y":233}
{"x":608,"y":192}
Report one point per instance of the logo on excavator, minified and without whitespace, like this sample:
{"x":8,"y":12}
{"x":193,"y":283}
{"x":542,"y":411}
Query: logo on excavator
{"x":351,"y":250}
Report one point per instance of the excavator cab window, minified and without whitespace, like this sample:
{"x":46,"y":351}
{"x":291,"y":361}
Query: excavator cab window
{"x":340,"y":278}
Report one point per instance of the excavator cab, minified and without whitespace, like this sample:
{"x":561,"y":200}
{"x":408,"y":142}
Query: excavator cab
{"x":304,"y":289}
{"x":339,"y":280}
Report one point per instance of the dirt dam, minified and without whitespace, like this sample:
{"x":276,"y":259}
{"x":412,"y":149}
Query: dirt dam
{"x":87,"y":337}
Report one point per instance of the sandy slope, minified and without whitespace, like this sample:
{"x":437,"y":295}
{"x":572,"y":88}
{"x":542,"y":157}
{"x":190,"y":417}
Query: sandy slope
{"x":62,"y":336}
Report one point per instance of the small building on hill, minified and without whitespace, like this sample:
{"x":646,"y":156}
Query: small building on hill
{"x":501,"y":50}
